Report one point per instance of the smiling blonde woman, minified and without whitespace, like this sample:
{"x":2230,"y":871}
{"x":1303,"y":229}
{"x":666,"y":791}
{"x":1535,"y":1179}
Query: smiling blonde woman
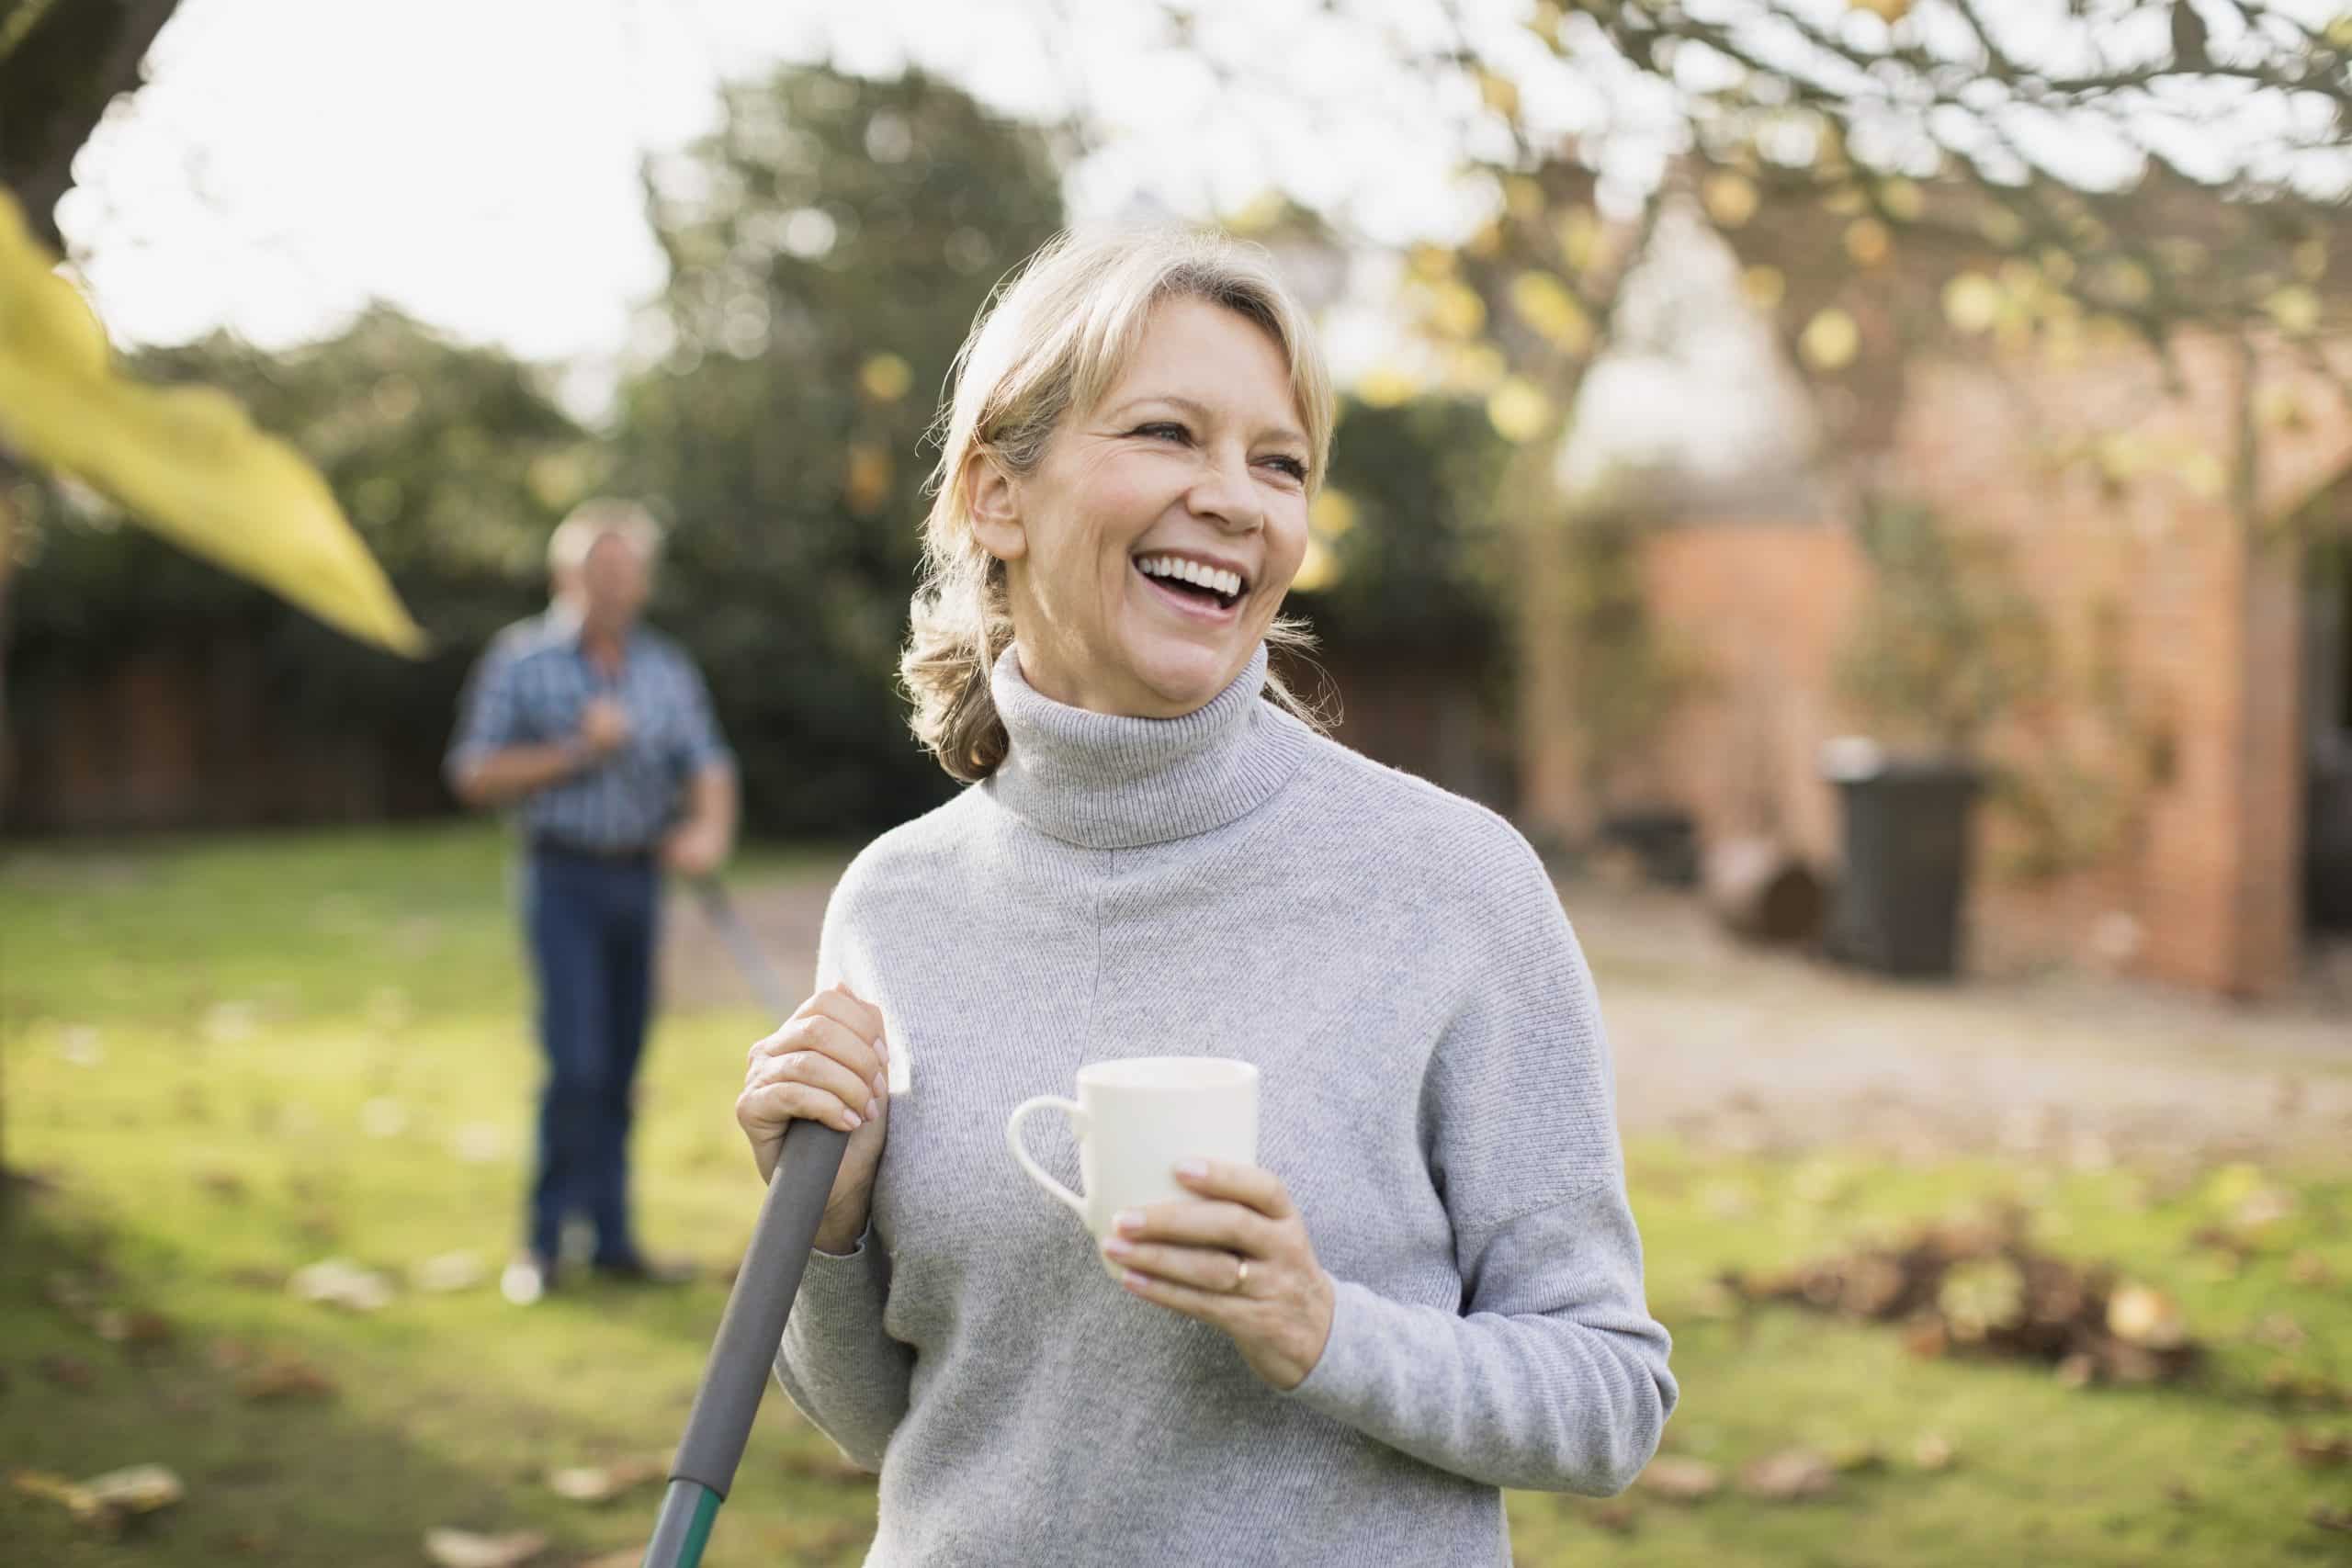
{"x":1432,"y":1289}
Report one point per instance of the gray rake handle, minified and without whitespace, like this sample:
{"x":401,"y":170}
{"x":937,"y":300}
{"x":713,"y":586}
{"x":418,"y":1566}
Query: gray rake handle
{"x":740,"y":1356}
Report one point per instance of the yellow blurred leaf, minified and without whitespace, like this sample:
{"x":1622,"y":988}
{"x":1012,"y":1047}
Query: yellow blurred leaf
{"x":1830,"y":340}
{"x":2295,"y":309}
{"x":1522,"y":198}
{"x":2126,"y":281}
{"x":1499,"y":93}
{"x":2057,"y":266}
{"x":1456,"y":311}
{"x":2281,"y":408}
{"x":2203,"y":474}
{"x":885,"y":377}
{"x":1259,"y":213}
{"x":1731,"y":199}
{"x":1971,"y":302}
{"x":1544,"y":301}
{"x":2339,"y":32}
{"x":1888,"y":11}
{"x":2310,"y":260}
{"x":2120,"y":457}
{"x":2001,"y":226}
{"x":1475,"y":367}
{"x":1518,"y":410}
{"x":1319,"y":569}
{"x":866,"y":483}
{"x":1331,"y":513}
{"x":185,"y":461}
{"x":2180,"y":254}
{"x":1868,"y":241}
{"x":1545,"y":20}
{"x":1430,"y":262}
{"x":1901,"y":199}
{"x":1765,"y":287}
{"x":1579,"y":236}
{"x":1385,"y":386}
{"x":1487,"y":241}
{"x":1847,"y":201}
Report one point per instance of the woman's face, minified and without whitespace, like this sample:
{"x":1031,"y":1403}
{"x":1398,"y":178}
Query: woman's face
{"x":1192,"y":466}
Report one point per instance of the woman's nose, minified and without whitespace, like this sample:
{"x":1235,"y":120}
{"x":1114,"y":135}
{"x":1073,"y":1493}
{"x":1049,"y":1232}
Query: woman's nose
{"x":1223,"y":492}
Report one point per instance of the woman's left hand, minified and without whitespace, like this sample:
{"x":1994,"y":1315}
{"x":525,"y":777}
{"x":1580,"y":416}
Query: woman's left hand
{"x":1237,"y":1259}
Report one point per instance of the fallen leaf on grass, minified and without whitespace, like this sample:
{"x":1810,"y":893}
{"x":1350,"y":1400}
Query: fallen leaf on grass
{"x":139,"y":1330}
{"x":1682,"y":1480}
{"x":2289,"y":1385}
{"x":2329,"y":1519}
{"x":2320,"y":1449}
{"x":2309,"y":1268}
{"x":2279,"y":1331}
{"x":601,"y":1484}
{"x":463,"y":1548}
{"x":107,"y":1499}
{"x":450,"y":1271}
{"x":284,"y":1377}
{"x":68,"y":1371}
{"x":2139,"y":1315}
{"x":1618,"y":1519}
{"x":1789,"y":1476}
{"x":1932,"y":1452}
{"x":338,"y":1282}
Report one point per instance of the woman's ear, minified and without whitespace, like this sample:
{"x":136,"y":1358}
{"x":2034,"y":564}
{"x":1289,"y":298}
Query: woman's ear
{"x":994,"y":501}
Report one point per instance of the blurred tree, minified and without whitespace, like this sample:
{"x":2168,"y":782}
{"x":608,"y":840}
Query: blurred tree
{"x":829,"y":248}
{"x":454,"y":464}
{"x":2041,"y":173}
{"x":1404,"y":550}
{"x":61,"y":62}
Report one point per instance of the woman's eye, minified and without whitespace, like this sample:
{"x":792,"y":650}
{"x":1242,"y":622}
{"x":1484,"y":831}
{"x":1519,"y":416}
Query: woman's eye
{"x":1290,"y":466}
{"x":1164,"y":431}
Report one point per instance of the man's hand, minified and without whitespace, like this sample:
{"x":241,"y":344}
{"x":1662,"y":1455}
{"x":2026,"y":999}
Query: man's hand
{"x":695,"y":848}
{"x":603,"y":726}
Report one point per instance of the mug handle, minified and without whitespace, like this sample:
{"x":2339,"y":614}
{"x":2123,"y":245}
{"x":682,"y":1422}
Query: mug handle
{"x":1077,"y":1114}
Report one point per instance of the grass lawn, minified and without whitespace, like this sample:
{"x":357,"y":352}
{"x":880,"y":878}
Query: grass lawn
{"x":235,"y":1057}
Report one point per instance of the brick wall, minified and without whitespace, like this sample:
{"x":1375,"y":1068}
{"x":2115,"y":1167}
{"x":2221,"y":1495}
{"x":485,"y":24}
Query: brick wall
{"x":2198,"y":884}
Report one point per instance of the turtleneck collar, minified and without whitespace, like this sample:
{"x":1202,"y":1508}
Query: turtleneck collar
{"x":1110,"y":782}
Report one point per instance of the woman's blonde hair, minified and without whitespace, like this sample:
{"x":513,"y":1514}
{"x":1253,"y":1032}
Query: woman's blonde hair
{"x":1055,"y":338}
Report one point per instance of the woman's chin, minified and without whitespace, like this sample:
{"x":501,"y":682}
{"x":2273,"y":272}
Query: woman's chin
{"x":1184,"y":675}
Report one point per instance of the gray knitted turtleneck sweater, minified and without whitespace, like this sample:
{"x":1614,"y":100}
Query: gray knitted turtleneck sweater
{"x":1436,"y":1092}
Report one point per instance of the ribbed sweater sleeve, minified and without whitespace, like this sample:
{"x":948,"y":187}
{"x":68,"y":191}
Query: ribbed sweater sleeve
{"x":1552,"y":1376}
{"x":838,"y":1364}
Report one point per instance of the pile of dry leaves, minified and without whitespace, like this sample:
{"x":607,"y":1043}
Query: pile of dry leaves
{"x":1980,"y":1286}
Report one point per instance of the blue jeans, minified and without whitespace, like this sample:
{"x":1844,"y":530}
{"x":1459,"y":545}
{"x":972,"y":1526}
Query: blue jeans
{"x":592,"y":926}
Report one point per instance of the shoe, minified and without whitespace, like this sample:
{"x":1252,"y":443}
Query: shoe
{"x":527,"y":1277}
{"x":636,"y":1269}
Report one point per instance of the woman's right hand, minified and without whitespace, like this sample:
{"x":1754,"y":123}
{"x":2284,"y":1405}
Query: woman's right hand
{"x":830,"y":1064}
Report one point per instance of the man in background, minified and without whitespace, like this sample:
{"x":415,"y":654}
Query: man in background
{"x":598,"y":732}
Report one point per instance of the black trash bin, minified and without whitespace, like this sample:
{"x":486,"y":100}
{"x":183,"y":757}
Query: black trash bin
{"x":1907,"y":841}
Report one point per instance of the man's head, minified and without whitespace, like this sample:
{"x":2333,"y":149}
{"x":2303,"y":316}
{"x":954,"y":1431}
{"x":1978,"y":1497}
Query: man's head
{"x":600,"y":563}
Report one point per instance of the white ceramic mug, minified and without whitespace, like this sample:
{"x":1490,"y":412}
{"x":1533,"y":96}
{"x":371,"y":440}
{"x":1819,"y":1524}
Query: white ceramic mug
{"x":1135,"y":1121}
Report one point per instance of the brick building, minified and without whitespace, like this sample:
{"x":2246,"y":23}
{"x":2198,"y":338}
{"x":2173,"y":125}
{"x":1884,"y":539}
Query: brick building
{"x":2185,"y":545}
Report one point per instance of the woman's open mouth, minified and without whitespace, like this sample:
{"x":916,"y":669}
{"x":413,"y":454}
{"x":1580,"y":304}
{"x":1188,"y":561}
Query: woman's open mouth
{"x":1192,"y":587}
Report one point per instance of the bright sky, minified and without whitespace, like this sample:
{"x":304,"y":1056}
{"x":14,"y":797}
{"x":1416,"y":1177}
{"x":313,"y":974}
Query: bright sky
{"x":476,"y":163}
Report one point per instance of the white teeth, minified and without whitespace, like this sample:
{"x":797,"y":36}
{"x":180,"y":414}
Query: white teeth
{"x":1225,"y":582}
